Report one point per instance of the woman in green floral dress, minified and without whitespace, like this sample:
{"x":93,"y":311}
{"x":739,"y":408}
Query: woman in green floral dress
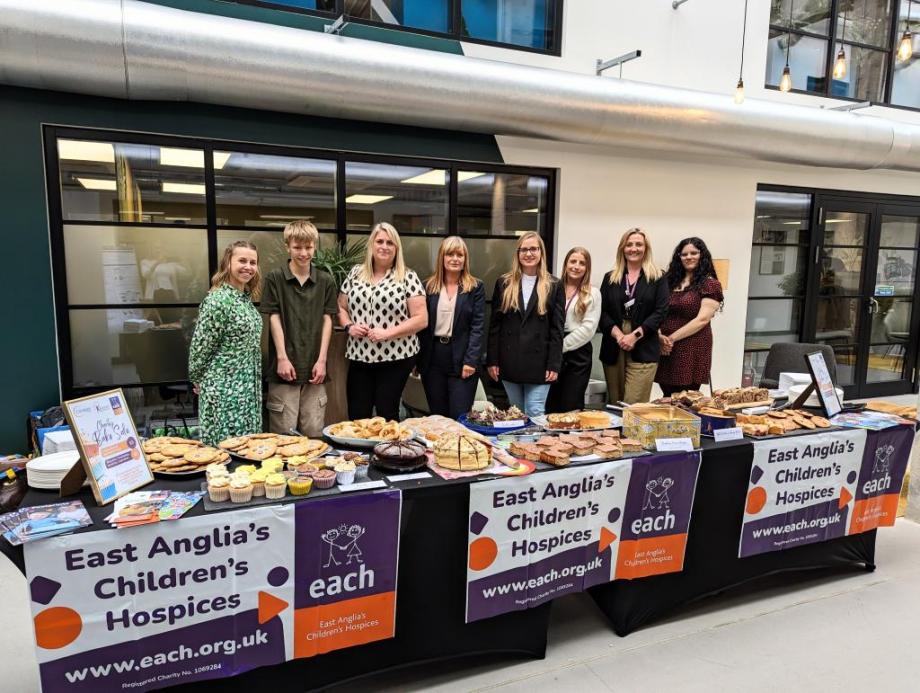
{"x":225,"y":358}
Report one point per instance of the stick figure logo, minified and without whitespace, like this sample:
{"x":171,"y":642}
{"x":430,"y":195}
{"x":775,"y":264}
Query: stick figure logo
{"x":882,"y":459}
{"x":657,"y":494}
{"x":343,"y":545}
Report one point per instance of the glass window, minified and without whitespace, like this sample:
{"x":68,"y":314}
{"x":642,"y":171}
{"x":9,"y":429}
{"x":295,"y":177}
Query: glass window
{"x":115,"y":346}
{"x":894,"y":274}
{"x":501,"y":204}
{"x":269,"y":191}
{"x":778,"y":270}
{"x":322,"y":5}
{"x":867,"y":21}
{"x":131,"y":264}
{"x":411,"y":198}
{"x":432,"y":15}
{"x":272,"y":251}
{"x":526,"y":23}
{"x":899,"y":232}
{"x":866,"y":74}
{"x":845,"y":228}
{"x":807,"y":60}
{"x":812,"y":16}
{"x":905,"y":87}
{"x":782,"y":217}
{"x":115,"y":181}
{"x":772,"y":320}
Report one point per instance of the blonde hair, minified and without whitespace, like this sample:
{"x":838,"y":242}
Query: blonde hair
{"x":366,"y":273}
{"x":649,"y":268}
{"x":584,"y":288}
{"x":222,"y":275}
{"x":435,"y":282}
{"x":511,"y":296}
{"x":301,"y":231}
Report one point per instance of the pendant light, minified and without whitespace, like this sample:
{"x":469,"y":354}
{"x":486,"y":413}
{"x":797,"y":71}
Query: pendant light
{"x":906,"y":44}
{"x":739,"y":88}
{"x":785,"y":82}
{"x":840,"y":64}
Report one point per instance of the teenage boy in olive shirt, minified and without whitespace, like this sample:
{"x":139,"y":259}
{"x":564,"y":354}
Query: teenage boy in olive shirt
{"x":300,"y":301}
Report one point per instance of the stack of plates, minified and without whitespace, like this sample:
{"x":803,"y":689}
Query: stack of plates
{"x":47,"y":472}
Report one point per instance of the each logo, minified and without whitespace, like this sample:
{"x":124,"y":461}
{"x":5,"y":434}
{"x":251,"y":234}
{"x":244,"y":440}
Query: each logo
{"x":342,"y":545}
{"x":657,"y":494}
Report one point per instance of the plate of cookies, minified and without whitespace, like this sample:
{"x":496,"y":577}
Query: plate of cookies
{"x":170,"y":456}
{"x":366,"y":433}
{"x":260,"y":446}
{"x":780,"y":422}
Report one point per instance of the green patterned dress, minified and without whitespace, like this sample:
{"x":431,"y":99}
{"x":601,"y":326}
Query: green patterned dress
{"x":225,"y":361}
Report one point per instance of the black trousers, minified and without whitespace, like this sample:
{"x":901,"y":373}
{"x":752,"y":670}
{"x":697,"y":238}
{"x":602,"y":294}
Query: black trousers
{"x":448,"y":394}
{"x":669,"y":390}
{"x":377,"y":386}
{"x":568,"y":392}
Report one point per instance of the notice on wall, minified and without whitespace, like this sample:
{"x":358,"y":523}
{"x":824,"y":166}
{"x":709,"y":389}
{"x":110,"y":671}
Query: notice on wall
{"x":208,"y":597}
{"x":802,"y":490}
{"x":881,"y":476}
{"x":110,"y":448}
{"x":535,"y":538}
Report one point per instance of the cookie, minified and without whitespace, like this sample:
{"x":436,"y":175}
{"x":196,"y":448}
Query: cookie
{"x":263,"y":436}
{"x":233,"y":443}
{"x":293,"y":450}
{"x":821,"y":422}
{"x":175,"y":450}
{"x":803,"y":422}
{"x":156,"y":456}
{"x":777,"y":414}
{"x":173,"y":463}
{"x":261,"y":449}
{"x":201,"y":455}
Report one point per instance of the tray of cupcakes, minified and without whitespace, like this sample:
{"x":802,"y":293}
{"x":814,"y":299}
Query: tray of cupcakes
{"x":276,"y":478}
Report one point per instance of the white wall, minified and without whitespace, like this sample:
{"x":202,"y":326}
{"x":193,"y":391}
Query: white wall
{"x":602,"y":192}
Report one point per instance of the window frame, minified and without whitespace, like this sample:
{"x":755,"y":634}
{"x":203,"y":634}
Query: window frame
{"x":455,"y":19}
{"x":834,"y":42}
{"x":62,"y":305}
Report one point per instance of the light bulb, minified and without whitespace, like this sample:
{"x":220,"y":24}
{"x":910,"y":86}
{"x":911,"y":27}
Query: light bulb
{"x":906,"y":47}
{"x":785,"y":84}
{"x":739,"y":91}
{"x":840,"y":65}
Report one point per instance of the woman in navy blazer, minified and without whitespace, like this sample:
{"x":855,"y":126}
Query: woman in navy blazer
{"x":451,"y":345}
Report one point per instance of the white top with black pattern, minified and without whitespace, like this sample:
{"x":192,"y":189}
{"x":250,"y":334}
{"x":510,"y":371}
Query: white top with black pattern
{"x":381,"y":305}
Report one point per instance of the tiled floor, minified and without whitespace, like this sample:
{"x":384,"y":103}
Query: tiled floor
{"x":844,"y":632}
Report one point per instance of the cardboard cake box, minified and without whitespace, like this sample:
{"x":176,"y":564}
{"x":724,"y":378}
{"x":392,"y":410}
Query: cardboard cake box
{"x":648,"y":422}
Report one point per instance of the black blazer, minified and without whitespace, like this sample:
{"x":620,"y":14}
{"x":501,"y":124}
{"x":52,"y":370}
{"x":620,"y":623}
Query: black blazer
{"x":466,"y":336}
{"x":524,"y":345}
{"x":649,"y":311}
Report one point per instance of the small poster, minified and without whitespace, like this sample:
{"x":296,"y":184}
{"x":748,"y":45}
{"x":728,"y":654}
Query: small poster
{"x":110,"y":448}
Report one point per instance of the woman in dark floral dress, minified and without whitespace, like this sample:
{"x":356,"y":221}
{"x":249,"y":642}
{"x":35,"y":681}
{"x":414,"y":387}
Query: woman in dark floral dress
{"x":685,"y":334}
{"x":225,"y":358}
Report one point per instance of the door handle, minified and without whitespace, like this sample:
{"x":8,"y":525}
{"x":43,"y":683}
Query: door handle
{"x":873,"y":306}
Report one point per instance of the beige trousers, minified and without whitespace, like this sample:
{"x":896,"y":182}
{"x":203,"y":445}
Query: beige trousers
{"x":628,"y":381}
{"x":296,"y":406}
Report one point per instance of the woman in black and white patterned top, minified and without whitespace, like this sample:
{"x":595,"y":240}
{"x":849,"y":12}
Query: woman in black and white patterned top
{"x":382,"y":307}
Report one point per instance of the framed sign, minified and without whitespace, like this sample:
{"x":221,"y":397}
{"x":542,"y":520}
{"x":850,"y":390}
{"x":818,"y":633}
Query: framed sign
{"x":821,"y":377}
{"x":109,"y":446}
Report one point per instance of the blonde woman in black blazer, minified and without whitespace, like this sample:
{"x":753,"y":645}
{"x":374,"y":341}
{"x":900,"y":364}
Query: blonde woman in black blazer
{"x":634,"y":302}
{"x":525,"y":331}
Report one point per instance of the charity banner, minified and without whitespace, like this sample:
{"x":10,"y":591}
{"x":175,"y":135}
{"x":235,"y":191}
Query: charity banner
{"x":538,"y":537}
{"x":802,"y":490}
{"x":881,"y":476}
{"x":212,"y":596}
{"x":347,"y":561}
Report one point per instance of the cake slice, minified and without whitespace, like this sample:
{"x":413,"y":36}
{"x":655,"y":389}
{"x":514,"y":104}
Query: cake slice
{"x":631,"y":445}
{"x":554,"y":456}
{"x":526,"y":451}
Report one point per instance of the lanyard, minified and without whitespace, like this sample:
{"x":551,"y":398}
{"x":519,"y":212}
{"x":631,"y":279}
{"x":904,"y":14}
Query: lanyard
{"x":630,"y":290}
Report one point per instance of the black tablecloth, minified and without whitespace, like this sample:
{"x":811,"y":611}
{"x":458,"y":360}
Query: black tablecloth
{"x":711,"y":563}
{"x":430,"y":603}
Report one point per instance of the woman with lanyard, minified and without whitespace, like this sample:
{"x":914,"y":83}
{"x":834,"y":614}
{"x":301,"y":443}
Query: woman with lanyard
{"x":451,"y":345}
{"x":634,"y":301}
{"x":582,"y":313}
{"x":525,"y":330}
{"x":381,"y":306}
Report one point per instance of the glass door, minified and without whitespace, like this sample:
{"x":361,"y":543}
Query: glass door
{"x":893,"y":335}
{"x":840,"y":303}
{"x":862,"y":305}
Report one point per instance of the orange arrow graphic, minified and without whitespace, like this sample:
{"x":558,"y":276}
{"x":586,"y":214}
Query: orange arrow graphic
{"x":270,"y":606}
{"x":607,"y":538}
{"x":845,"y":497}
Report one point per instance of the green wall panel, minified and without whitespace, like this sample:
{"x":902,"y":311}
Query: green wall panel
{"x":28,"y":352}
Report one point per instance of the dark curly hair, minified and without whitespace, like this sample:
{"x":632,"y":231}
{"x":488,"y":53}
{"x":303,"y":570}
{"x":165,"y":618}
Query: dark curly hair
{"x":704,"y":269}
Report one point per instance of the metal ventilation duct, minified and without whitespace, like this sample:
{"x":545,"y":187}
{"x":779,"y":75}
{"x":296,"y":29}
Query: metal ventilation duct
{"x":135,"y":50}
